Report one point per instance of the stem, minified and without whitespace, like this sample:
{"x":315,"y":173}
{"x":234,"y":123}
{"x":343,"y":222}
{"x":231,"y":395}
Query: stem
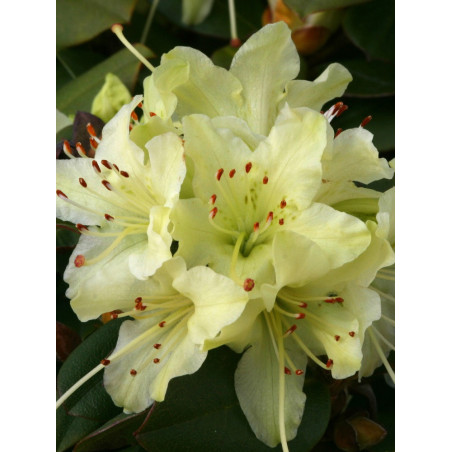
{"x":381,"y":354}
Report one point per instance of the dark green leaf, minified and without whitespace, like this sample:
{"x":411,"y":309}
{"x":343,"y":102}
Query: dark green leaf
{"x":67,"y":235}
{"x":370,"y":78}
{"x":80,"y":20}
{"x":115,"y":433}
{"x":305,"y":7}
{"x":201,"y":412}
{"x":223,"y":57}
{"x":248,"y":15}
{"x":371,"y":28}
{"x":91,"y":400}
{"x":381,"y":125}
{"x":79,"y":93}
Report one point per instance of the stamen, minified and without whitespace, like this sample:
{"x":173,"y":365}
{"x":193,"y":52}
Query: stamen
{"x":381,"y":354}
{"x":105,"y":362}
{"x":79,"y":261}
{"x":269,"y":217}
{"x":162,"y":324}
{"x":96,"y":167}
{"x":93,"y":143}
{"x":235,"y":41}
{"x":337,"y":338}
{"x":248,"y":167}
{"x":134,"y":116}
{"x":156,"y":360}
{"x":151,"y":114}
{"x":329,"y":363}
{"x":256,"y":227}
{"x":231,"y":173}
{"x":90,"y":130}
{"x":290,"y":331}
{"x":213,"y":213}
{"x":212,"y":199}
{"x":265,"y":180}
{"x":82,"y":182}
{"x":157,"y":346}
{"x":248,"y":284}
{"x":67,"y":149}
{"x":107,"y":185}
{"x":283,"y":204}
{"x":351,"y":333}
{"x":117,"y":30}
{"x":124,"y":174}
{"x":219,"y":173}
{"x":109,"y":217}
{"x":81,"y":149}
{"x":365,"y":121}
{"x":133,"y":372}
{"x":106,"y":163}
{"x":338,"y":132}
{"x":281,"y":221}
{"x":61,"y":195}
{"x":299,"y":372}
{"x":287,"y":371}
{"x":81,"y":227}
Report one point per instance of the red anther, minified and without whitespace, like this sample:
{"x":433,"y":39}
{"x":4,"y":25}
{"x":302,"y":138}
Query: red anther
{"x":330,"y":300}
{"x":139,"y":306}
{"x":114,"y":315}
{"x":82,"y":182}
{"x":283,"y":204}
{"x":124,"y":173}
{"x":281,"y":221}
{"x":90,"y":129}
{"x":140,"y":105}
{"x":337,"y":337}
{"x":256,"y":226}
{"x":300,"y":315}
{"x":299,"y":372}
{"x":231,"y":173}
{"x":270,"y":217}
{"x":287,"y":371}
{"x":61,"y":195}
{"x":116,"y":167}
{"x":338,"y":106}
{"x":151,"y":114}
{"x":235,"y":43}
{"x":106,"y":163}
{"x":130,"y":128}
{"x":341,"y":110}
{"x":80,"y":148}
{"x":290,"y":330}
{"x":138,"y":300}
{"x":339,"y":300}
{"x":81,"y":227}
{"x":212,"y":199}
{"x":156,"y":360}
{"x":219,"y":173}
{"x":107,"y":185}
{"x":329,"y":363}
{"x":303,"y":305}
{"x":265,"y":180}
{"x":366,"y":121}
{"x":352,"y":333}
{"x":213,"y":212}
{"x":338,"y":132}
{"x":93,"y":143}
{"x":248,"y":167}
{"x":109,"y":217}
{"x":96,"y":166}
{"x":133,"y":372}
{"x":248,"y":284}
{"x":67,"y":147}
{"x":324,"y":181}
{"x":162,"y":324}
{"x":134,"y":116}
{"x":105,"y":362}
{"x":79,"y":260}
{"x":142,"y":307}
{"x":157,"y":346}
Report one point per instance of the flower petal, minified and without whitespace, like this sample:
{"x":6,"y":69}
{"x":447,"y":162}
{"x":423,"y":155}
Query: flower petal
{"x":264,"y":64}
{"x":256,"y":383}
{"x":331,"y":83}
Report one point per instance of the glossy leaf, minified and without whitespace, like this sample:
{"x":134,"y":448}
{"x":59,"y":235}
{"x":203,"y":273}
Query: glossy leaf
{"x":117,"y":432}
{"x":201,"y":411}
{"x":305,"y":7}
{"x":79,"y":93}
{"x":78,"y":21}
{"x":248,"y":15}
{"x":91,"y":400}
{"x":371,"y":28}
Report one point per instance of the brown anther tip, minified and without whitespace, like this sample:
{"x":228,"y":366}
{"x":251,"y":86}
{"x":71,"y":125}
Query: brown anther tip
{"x":114,"y":315}
{"x":106,"y":163}
{"x":96,"y":166}
{"x":337,"y":337}
{"x":157,"y":346}
{"x":82,"y":182}
{"x":270,"y":216}
{"x":329,"y":363}
{"x":231,"y":173}
{"x":303,"y":304}
{"x":248,"y":284}
{"x":248,"y":167}
{"x":287,"y":371}
{"x":140,"y":105}
{"x":291,"y":330}
{"x":105,"y":362}
{"x":300,"y":315}
{"x":156,"y":360}
{"x":283,"y":204}
{"x":219,"y":173}
{"x":107,"y":185}
{"x":138,"y":300}
{"x":213,"y":212}
{"x":133,"y":372}
{"x":151,"y":114}
{"x":60,"y":194}
{"x":256,"y":226}
{"x":162,"y":324}
{"x":338,"y":132}
{"x":212,"y":199}
{"x":109,"y":217}
{"x":351,"y":333}
{"x":124,"y":173}
{"x":81,"y":227}
{"x":79,"y":261}
{"x":366,"y":121}
{"x":265,"y":180}
{"x":134,"y":116}
{"x":299,"y":372}
{"x":281,"y":221}
{"x":93,"y":143}
{"x":115,"y":28}
{"x":90,"y":129}
{"x":235,"y":43}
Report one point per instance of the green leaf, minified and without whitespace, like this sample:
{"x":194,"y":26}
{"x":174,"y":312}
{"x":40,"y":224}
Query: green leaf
{"x":201,"y":412}
{"x":117,"y":432}
{"x":370,"y":78}
{"x":248,"y":14}
{"x":223,"y":56}
{"x":78,"y":21}
{"x":305,"y":7}
{"x":371,"y":28}
{"x":79,"y":93}
{"x":381,"y":125}
{"x":91,"y":400}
